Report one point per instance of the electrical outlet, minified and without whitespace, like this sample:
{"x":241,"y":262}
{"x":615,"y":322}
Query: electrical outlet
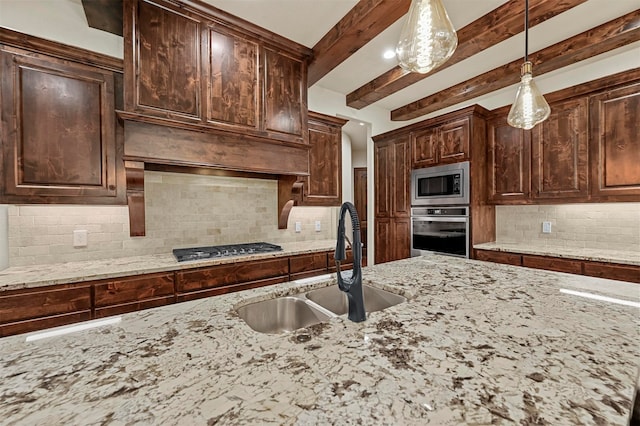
{"x":80,"y":238}
{"x":298,"y":226}
{"x":546,"y":227}
{"x":318,"y":226}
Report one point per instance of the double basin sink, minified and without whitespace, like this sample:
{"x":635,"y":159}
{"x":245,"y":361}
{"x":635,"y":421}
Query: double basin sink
{"x":289,"y":313}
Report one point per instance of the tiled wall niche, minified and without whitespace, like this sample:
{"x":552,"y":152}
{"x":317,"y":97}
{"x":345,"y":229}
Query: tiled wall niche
{"x":182,"y":210}
{"x":609,"y":226}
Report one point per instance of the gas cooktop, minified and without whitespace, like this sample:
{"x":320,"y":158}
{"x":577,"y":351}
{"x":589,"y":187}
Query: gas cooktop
{"x":215,"y":252}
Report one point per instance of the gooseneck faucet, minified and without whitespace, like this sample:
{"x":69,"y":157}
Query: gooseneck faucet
{"x":351,"y":283}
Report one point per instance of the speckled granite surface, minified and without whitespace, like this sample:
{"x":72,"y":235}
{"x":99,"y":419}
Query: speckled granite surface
{"x":477,"y":343}
{"x":615,"y":256}
{"x":62,"y":273}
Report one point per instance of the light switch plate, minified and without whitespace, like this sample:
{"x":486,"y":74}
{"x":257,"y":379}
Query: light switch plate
{"x":546,"y":227}
{"x":318,"y":226}
{"x":80,"y":238}
{"x":298,"y":226}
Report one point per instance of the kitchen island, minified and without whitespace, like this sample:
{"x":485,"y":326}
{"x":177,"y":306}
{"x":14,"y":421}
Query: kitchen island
{"x":476,"y":343}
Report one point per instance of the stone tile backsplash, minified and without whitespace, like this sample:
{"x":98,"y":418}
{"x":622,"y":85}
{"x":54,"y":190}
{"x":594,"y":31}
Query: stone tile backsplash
{"x":182,"y":210}
{"x":611,"y":226}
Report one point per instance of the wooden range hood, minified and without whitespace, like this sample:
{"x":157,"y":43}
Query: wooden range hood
{"x":210,"y":93}
{"x":156,"y":144}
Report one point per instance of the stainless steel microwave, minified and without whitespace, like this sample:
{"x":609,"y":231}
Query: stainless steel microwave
{"x":440,"y":185}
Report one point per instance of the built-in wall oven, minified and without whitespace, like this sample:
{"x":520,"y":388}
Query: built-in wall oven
{"x":440,"y":210}
{"x":443,"y":230}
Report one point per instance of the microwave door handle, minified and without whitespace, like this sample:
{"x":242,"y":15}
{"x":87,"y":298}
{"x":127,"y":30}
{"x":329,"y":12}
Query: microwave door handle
{"x":440,"y":219}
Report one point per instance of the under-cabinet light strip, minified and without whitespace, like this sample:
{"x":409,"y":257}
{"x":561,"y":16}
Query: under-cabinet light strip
{"x":602,"y":298}
{"x":72,"y":329}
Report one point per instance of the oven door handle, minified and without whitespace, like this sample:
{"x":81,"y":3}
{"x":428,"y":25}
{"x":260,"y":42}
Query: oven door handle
{"x":439,"y":219}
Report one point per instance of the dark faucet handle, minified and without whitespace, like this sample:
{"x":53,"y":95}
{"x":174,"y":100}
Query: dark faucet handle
{"x":340,"y":253}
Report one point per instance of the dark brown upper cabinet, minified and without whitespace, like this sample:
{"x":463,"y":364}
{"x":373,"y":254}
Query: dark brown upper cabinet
{"x":168,"y":69}
{"x":615,"y":144}
{"x":559,"y":153}
{"x":233,"y":80}
{"x":323,"y":186}
{"x":199,"y":68}
{"x":441,"y":144}
{"x":586,"y":151}
{"x":508,"y":162}
{"x":58,"y":130}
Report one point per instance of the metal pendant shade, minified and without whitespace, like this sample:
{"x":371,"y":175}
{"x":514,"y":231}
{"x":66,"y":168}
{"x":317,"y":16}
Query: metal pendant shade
{"x":530,"y":107}
{"x":428,"y":38}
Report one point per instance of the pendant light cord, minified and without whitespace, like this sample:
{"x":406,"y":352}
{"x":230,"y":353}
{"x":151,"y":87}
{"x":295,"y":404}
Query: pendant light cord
{"x":526,"y":30}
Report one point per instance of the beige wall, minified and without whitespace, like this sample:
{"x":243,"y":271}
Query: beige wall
{"x":600,"y":226}
{"x":182,"y":210}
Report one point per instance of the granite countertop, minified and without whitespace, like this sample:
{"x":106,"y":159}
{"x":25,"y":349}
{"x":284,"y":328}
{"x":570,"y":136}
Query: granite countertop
{"x":62,"y":273}
{"x":597,"y":255}
{"x":477,"y":343}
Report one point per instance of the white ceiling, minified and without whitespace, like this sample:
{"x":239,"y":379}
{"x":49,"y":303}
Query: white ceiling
{"x":306,"y":21}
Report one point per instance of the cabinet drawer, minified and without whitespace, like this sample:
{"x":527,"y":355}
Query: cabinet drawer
{"x":553,"y":264}
{"x":222,"y":275}
{"x":35,"y":324}
{"x":346,"y":264}
{"x":215,"y":291}
{"x":38,"y":302}
{"x":613,"y":272}
{"x":134,"y":289}
{"x":499,"y":257}
{"x":309,"y":262}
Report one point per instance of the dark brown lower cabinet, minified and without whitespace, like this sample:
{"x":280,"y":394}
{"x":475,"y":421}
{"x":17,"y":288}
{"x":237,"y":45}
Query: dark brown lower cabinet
{"x":307,"y":265}
{"x":612,"y":271}
{"x":346,"y":264}
{"x":130,"y":294}
{"x":37,"y":308}
{"x":215,"y":280}
{"x":553,"y":264}
{"x":499,"y":257}
{"x":393,"y":239}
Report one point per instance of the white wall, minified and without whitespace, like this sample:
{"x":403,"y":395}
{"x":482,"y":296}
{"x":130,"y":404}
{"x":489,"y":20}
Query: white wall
{"x":347,"y":169}
{"x":58,"y":20}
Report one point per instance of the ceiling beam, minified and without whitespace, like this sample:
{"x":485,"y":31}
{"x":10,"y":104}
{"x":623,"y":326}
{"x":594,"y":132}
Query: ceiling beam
{"x":105,"y":15}
{"x":365,"y":21}
{"x":611,"y":35}
{"x":496,"y":26}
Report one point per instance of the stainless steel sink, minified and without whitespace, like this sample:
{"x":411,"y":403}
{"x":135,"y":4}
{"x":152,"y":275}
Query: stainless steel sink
{"x":289,"y":313}
{"x":281,"y":314}
{"x":333,"y":299}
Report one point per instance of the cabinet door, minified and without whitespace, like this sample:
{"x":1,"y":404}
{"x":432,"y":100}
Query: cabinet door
{"x":58,"y":131}
{"x":615,"y":145}
{"x":167,"y":65}
{"x":233,"y":80}
{"x":323,"y":186}
{"x":400,"y":185}
{"x":383,"y":235}
{"x":559,"y":152}
{"x":424,"y":148}
{"x":401,"y":238}
{"x":509,"y":163}
{"x":383,"y":156}
{"x":284,"y":104}
{"x":453,"y":141}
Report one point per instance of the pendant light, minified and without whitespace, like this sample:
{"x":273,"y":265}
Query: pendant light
{"x":530,"y":107}
{"x":427,"y":39}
